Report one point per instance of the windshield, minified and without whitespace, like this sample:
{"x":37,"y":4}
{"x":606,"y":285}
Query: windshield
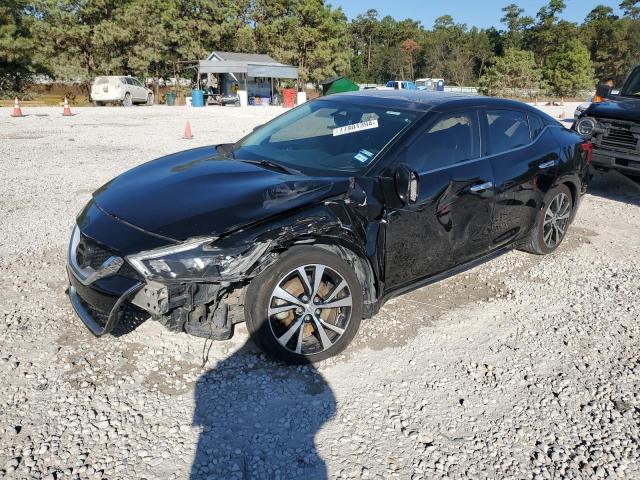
{"x":325,"y":137}
{"x":631,"y":87}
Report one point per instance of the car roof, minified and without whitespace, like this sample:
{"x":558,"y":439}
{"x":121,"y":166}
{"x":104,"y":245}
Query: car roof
{"x":423,"y":101}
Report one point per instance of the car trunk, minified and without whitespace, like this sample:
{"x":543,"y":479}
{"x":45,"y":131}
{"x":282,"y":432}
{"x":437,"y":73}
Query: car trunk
{"x":105,"y":85}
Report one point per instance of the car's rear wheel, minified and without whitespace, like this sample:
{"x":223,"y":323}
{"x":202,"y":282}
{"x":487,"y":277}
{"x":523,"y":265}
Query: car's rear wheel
{"x":99,"y":104}
{"x":552,"y":222}
{"x":306,"y":307}
{"x":127,"y":101}
{"x":150,"y":99}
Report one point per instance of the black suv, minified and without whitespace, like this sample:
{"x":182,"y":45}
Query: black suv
{"x":311,"y":222}
{"x":613,"y":126}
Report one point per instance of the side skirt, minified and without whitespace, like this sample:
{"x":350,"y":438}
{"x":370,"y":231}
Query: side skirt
{"x":442,"y":276}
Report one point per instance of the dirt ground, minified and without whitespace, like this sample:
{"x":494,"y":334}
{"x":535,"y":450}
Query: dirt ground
{"x":524,"y":367}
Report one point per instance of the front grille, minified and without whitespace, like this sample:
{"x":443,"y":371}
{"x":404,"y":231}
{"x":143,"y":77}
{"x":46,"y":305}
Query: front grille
{"x":91,"y":254}
{"x":620,"y":137}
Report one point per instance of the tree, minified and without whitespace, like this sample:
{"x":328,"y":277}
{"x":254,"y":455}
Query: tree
{"x":19,"y":59}
{"x":569,"y":70}
{"x":450,"y":53}
{"x":605,"y":37}
{"x":410,"y":48}
{"x":516,"y":25}
{"x":516,"y":69}
{"x":631,"y":8}
{"x":316,"y":40}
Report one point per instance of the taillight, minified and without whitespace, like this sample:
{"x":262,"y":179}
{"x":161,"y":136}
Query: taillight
{"x":587,"y":147}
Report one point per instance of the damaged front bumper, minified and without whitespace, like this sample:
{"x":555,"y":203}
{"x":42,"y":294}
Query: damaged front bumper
{"x":98,"y":309}
{"x":203,"y":307}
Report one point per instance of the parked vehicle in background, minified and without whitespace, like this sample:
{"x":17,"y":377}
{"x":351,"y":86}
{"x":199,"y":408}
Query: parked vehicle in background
{"x":311,"y":222}
{"x":428,"y":83}
{"x":116,"y":89}
{"x":580,"y":109}
{"x":613,"y":126}
{"x":398,"y":85}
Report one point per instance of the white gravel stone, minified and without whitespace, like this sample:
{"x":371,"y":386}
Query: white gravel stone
{"x":525,"y":367}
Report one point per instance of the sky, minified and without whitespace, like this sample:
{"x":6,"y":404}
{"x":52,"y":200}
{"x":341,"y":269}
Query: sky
{"x":479,"y":13}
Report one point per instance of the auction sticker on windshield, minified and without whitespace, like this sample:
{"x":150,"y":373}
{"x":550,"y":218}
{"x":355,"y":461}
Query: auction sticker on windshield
{"x":356,"y":127}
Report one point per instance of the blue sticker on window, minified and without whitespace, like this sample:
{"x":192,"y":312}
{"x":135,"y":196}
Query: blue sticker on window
{"x":363,"y":155}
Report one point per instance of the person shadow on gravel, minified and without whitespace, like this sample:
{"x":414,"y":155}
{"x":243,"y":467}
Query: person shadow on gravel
{"x":259,"y":418}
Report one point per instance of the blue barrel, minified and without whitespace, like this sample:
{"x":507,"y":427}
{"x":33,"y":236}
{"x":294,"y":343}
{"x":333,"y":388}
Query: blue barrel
{"x":440,"y":86}
{"x":197,"y":98}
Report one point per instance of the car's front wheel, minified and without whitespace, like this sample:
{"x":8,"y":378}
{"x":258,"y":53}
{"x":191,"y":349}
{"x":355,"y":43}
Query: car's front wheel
{"x":150,"y":99}
{"x":127,"y":101}
{"x":552,"y":222}
{"x":306,"y":307}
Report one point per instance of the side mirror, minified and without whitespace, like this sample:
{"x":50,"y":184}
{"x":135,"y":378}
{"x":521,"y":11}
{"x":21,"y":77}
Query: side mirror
{"x":602,"y":91}
{"x":406,"y":182}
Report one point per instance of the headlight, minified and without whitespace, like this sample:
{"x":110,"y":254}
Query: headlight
{"x":585,"y":126}
{"x":194,"y":259}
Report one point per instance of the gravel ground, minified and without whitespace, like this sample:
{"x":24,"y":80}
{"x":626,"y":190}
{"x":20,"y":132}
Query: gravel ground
{"x":525,"y":367}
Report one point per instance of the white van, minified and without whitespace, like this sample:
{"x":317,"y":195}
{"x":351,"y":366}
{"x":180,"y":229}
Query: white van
{"x":125,"y":90}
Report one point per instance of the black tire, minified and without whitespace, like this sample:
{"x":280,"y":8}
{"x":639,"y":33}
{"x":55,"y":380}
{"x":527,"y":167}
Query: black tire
{"x":261,"y":295}
{"x":150,"y":100}
{"x":99,"y":104}
{"x":127,"y":100}
{"x":537,"y":243}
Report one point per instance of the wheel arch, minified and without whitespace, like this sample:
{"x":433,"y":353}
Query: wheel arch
{"x":361,"y":266}
{"x":319,"y":227}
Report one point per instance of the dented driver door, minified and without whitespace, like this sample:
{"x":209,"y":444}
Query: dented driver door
{"x":450,"y":222}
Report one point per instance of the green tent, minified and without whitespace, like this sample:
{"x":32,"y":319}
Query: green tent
{"x":338,"y":85}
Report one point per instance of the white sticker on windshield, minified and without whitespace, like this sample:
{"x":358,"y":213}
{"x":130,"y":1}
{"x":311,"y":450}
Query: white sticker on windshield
{"x":356,"y":127}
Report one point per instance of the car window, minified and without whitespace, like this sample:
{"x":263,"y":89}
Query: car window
{"x":535,"y":125}
{"x":326,"y":136}
{"x":508,"y":129}
{"x":136,"y":82}
{"x":631,"y":87}
{"x":452,"y":139}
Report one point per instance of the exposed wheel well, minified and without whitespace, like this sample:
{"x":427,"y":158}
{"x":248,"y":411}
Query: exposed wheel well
{"x":574,"y":193}
{"x":361,"y":266}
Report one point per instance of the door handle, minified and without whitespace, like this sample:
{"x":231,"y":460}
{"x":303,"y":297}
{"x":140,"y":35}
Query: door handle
{"x":548,"y":164}
{"x":481,"y":186}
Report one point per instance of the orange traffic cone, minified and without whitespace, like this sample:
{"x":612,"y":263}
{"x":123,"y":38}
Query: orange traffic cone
{"x":17,"y":111}
{"x":66,"y":112}
{"x":187,"y":131}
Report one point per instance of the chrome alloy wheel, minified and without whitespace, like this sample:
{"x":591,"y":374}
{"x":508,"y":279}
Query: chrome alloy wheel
{"x":556,"y":220}
{"x":310,"y":309}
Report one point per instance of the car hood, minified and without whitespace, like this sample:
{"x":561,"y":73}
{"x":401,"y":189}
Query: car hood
{"x":197,"y":192}
{"x":616,"y":109}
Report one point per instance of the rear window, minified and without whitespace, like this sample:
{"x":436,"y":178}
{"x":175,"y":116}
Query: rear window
{"x":101,"y":80}
{"x":508,"y":129}
{"x":536,"y":125}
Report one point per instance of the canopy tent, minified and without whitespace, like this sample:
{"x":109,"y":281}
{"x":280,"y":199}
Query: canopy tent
{"x":244,"y":66}
{"x":267,"y":70}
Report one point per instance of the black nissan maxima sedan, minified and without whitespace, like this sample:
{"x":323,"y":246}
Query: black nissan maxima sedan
{"x":311,"y":222}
